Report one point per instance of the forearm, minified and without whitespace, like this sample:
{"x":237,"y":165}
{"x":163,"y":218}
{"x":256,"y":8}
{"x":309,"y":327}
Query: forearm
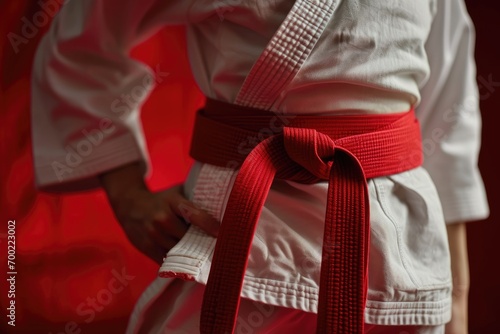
{"x":457,"y":239}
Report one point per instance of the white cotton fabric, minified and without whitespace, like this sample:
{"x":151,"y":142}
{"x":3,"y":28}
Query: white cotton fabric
{"x":373,"y":58}
{"x":174,"y":306}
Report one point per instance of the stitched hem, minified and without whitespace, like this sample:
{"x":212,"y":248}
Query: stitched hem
{"x":428,"y":307}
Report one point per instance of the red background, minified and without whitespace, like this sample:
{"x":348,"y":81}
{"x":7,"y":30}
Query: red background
{"x":68,"y":246}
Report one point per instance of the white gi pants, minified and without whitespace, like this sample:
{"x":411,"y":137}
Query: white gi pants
{"x":177,"y":309}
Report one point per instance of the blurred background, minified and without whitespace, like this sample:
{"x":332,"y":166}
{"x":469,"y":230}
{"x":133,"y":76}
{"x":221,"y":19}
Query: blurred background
{"x":76,"y":271}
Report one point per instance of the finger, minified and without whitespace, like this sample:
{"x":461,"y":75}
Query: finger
{"x":159,"y":238}
{"x":165,"y":242}
{"x":147,"y":246}
{"x":194,"y":215}
{"x":154,"y":253}
{"x":172,"y":226}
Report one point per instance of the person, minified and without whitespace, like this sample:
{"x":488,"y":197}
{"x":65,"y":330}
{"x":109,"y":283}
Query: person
{"x":330,"y":58}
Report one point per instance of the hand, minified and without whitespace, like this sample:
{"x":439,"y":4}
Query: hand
{"x":153,"y":222}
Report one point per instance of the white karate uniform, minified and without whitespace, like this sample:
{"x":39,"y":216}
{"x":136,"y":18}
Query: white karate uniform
{"x":373,"y":58}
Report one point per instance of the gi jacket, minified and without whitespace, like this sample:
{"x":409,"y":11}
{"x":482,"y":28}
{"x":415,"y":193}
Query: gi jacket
{"x":374,"y":57}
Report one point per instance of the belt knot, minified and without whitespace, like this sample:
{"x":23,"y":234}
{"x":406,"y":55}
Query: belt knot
{"x":310,"y":149}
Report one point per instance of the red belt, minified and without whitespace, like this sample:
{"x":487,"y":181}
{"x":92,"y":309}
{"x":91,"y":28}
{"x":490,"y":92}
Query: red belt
{"x":345,"y":150}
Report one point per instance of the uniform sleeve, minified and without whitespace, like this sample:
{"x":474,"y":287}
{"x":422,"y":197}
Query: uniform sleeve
{"x":87,"y":91}
{"x":450,"y":115}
